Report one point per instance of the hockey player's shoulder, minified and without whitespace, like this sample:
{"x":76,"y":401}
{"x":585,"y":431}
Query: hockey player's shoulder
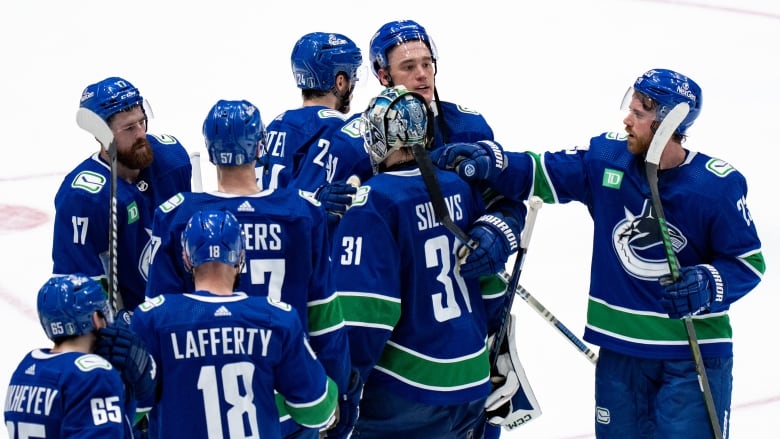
{"x":167,"y":149}
{"x":450,"y":107}
{"x":715,"y":166}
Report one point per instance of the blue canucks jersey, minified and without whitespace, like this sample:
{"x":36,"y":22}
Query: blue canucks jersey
{"x":65,"y":395}
{"x":82,"y":217}
{"x":705,"y":204}
{"x":286,"y":259}
{"x":219,"y":360}
{"x":416,"y":327}
{"x":298,"y":148}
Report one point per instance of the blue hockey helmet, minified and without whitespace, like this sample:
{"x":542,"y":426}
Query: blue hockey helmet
{"x":234,"y":133}
{"x":392,"y":34}
{"x":110,"y":96}
{"x":318,"y":57}
{"x":394,"y":119}
{"x":212,"y":236}
{"x":66,"y":305}
{"x":669,"y":88}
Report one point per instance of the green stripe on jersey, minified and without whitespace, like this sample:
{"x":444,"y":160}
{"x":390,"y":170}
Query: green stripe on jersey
{"x":656,"y":328}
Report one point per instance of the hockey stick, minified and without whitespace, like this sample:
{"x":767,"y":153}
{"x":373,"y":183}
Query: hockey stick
{"x":534,"y":204}
{"x":197,"y":178}
{"x":547,"y":315}
{"x":652,"y":160}
{"x":95,"y":125}
{"x":437,"y":199}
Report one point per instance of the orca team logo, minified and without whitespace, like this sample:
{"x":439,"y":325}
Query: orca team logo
{"x":638,"y":244}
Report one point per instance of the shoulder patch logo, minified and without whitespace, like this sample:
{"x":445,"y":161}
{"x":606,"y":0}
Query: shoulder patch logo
{"x":150,"y":303}
{"x":171,"y":203}
{"x":463,"y":109}
{"x":89,"y":362}
{"x":719,"y":167}
{"x":612,"y":178}
{"x":612,"y":135}
{"x":361,"y":196}
{"x":89,"y":181}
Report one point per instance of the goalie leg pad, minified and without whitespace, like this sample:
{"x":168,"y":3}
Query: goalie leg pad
{"x":512,"y":402}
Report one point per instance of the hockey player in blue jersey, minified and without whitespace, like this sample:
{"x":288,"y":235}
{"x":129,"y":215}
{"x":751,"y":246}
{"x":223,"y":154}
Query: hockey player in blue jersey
{"x":417,"y":328}
{"x":646,"y":380}
{"x":287,"y":247}
{"x":151,"y":168}
{"x":222,"y":354}
{"x":325,"y":67}
{"x":67,"y":391}
{"x":402,"y":53}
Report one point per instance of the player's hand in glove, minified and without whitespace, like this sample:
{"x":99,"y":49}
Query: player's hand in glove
{"x":336,"y":198}
{"x":698,"y":288}
{"x":497,"y":236}
{"x":128,"y":354}
{"x":483,"y":160}
{"x":348,"y":408}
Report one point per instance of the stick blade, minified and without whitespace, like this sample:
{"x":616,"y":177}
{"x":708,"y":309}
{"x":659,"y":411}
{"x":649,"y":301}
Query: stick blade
{"x":665,"y":131}
{"x":90,"y":122}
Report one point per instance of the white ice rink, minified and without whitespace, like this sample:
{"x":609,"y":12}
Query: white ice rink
{"x":547,"y":75}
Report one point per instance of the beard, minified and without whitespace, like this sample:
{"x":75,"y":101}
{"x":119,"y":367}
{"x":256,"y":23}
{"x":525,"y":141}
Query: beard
{"x":139,"y":156}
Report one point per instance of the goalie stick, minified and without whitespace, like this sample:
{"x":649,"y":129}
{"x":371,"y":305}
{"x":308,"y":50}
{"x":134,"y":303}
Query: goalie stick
{"x":534,"y":204}
{"x":95,"y":125}
{"x":652,"y":161}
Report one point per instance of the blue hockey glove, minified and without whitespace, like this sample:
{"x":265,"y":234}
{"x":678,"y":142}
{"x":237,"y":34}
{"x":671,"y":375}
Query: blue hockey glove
{"x":349,"y":404}
{"x":128,"y":354}
{"x":497,"y":237}
{"x":697,"y":289}
{"x":483,"y":160}
{"x":336,"y":198}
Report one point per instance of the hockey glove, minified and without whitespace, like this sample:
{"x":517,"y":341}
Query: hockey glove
{"x":128,"y":354}
{"x":483,"y":160}
{"x":348,"y":408}
{"x":693,"y":293}
{"x":497,"y":238}
{"x":336,"y":198}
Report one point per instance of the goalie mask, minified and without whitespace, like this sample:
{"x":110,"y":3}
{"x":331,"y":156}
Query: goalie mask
{"x":395,"y":119}
{"x":66,"y":305}
{"x":212,"y":236}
